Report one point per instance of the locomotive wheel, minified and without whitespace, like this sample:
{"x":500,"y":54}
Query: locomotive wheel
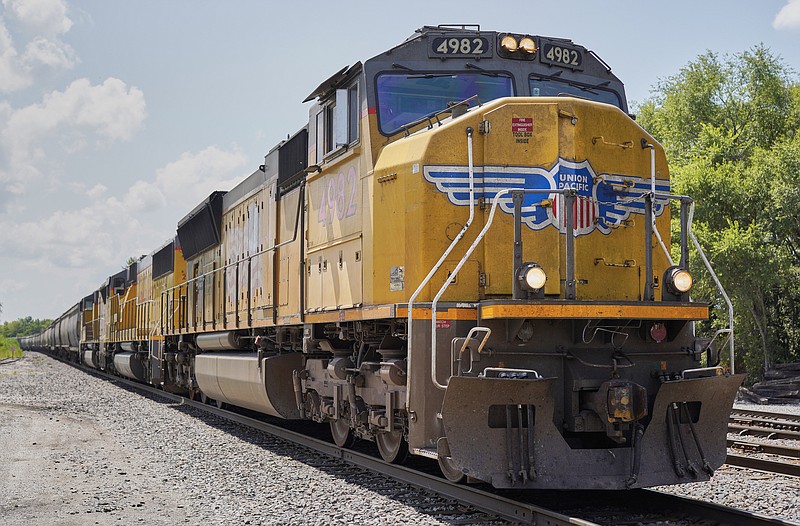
{"x":392,"y":447}
{"x":450,"y":470}
{"x":342,"y":434}
{"x":204,"y":398}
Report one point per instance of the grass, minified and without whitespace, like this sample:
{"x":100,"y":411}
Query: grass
{"x":9,"y":348}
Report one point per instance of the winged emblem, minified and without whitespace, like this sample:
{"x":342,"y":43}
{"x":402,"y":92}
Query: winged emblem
{"x":605,"y":201}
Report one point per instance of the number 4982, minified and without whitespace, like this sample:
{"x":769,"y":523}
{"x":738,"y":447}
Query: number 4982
{"x":338,"y":197}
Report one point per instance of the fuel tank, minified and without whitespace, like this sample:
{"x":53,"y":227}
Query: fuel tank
{"x":263,"y":384}
{"x":88,"y":359}
{"x":129,"y":365}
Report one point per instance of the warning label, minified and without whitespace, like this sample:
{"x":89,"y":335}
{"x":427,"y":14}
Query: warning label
{"x":522,"y":124}
{"x":522,"y":129}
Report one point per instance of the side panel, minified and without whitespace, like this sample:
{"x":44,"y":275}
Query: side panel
{"x":334,"y":251}
{"x":334,"y":278}
{"x":266,"y":305}
{"x":170,"y":311}
{"x":204,"y":291}
{"x":145,"y":310}
{"x":289,"y":258}
{"x":244,"y":240}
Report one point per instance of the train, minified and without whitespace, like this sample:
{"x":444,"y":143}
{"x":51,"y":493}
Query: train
{"x":465,"y":254}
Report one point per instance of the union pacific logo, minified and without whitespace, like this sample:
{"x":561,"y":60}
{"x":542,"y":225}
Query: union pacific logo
{"x":604,"y":201}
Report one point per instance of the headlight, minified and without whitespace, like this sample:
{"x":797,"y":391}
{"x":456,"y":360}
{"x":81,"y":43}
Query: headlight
{"x":509,"y":43}
{"x":531,"y":277}
{"x":680,"y":281}
{"x":528,"y":45}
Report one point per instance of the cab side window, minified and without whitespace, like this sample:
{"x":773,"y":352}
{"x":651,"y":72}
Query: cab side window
{"x":337,"y":122}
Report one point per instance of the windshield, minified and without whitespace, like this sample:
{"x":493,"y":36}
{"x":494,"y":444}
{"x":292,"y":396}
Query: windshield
{"x":405,"y":98}
{"x":554,"y":88}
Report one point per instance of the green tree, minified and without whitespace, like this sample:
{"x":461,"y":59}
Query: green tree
{"x":730,"y":129}
{"x":23,"y":327}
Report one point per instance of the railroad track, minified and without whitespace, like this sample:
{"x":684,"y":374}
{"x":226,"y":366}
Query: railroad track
{"x":785,"y":460}
{"x":763,"y":423}
{"x":593,"y":508}
{"x":763,"y":464}
{"x":4,"y":361}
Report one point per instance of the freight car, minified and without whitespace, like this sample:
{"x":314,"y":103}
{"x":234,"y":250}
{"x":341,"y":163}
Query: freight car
{"x":464,"y":255}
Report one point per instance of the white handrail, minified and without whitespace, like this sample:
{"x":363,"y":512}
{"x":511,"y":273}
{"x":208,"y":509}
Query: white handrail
{"x":409,"y":329}
{"x":454,"y":274}
{"x":716,"y":280}
{"x":653,"y":193}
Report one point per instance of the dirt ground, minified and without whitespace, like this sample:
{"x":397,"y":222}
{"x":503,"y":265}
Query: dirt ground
{"x":61,"y":469}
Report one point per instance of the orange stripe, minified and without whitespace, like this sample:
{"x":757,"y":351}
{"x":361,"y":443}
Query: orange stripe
{"x":596,"y":311}
{"x":449,"y":314}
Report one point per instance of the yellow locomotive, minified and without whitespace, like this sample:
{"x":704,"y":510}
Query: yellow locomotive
{"x":463,"y":255}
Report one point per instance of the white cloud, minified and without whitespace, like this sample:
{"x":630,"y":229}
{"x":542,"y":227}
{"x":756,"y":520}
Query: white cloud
{"x":41,"y":52}
{"x":788,"y":17}
{"x":79,"y":248}
{"x":200,"y":174}
{"x":43,"y":16}
{"x":69,"y":238}
{"x":109,"y":229}
{"x":81,"y":114}
{"x":97,"y":191}
{"x":13,"y":76}
{"x":45,"y":21}
{"x":187,"y":181}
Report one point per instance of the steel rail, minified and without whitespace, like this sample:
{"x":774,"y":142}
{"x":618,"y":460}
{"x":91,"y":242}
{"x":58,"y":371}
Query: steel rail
{"x":766,"y":448}
{"x":766,"y":416}
{"x":762,"y":464}
{"x":760,"y":423}
{"x":769,"y":432}
{"x":748,"y":460}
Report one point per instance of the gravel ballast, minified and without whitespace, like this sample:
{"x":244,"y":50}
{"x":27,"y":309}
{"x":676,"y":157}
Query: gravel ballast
{"x":77,"y":449}
{"x":765,"y":493}
{"x":80,"y":450}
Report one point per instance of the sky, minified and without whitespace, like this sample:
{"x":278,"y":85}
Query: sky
{"x":118,"y":117}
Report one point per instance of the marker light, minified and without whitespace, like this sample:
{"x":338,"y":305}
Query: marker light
{"x":509,"y":43}
{"x":528,"y":45}
{"x":531,"y":277}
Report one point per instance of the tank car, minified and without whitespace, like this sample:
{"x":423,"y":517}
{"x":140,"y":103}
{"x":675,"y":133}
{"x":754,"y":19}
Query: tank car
{"x":465,"y":254}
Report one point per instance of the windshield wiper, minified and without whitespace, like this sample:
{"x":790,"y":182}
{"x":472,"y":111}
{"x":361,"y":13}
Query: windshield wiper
{"x":418,"y":75}
{"x":470,"y":65}
{"x":434,"y":116}
{"x":429,"y":75}
{"x":582,"y":87}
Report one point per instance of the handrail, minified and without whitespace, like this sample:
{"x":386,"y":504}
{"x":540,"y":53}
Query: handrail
{"x":569,"y":249}
{"x":300,"y":203}
{"x":568,"y":192}
{"x":469,"y":337}
{"x":652,"y":148}
{"x":716,"y":280}
{"x":688,"y":233}
{"x":435,"y":268}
